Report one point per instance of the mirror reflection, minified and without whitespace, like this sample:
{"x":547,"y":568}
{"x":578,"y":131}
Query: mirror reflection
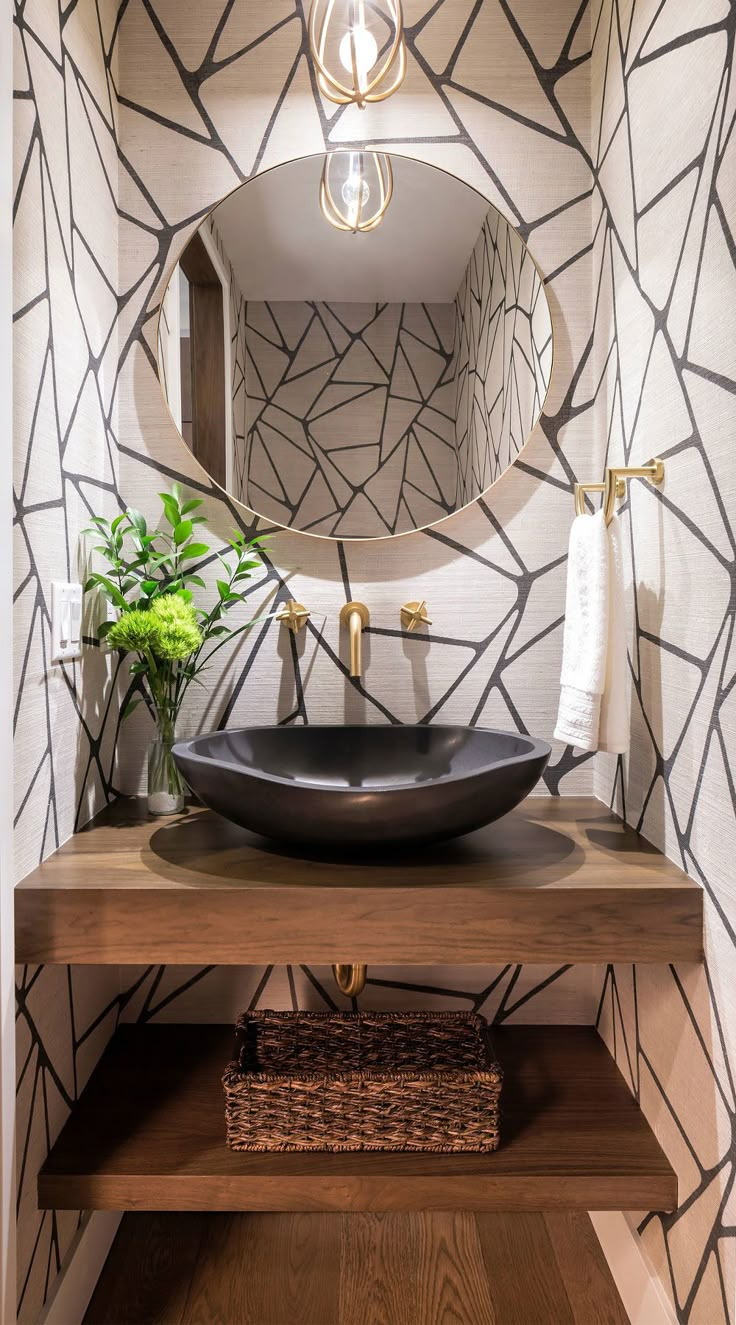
{"x":356,"y":345}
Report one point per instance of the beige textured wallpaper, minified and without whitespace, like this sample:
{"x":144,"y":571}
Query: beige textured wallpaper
{"x":665,"y":339}
{"x":617,"y":167}
{"x":65,"y":464}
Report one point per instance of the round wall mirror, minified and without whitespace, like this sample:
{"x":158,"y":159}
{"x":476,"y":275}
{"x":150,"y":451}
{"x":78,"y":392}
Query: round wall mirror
{"x":356,"y":345}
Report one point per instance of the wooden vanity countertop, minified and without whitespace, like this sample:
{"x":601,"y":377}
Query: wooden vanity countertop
{"x":558,"y":880}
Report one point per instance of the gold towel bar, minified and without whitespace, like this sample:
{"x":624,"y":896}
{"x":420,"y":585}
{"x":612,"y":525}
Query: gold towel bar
{"x":614,"y":485}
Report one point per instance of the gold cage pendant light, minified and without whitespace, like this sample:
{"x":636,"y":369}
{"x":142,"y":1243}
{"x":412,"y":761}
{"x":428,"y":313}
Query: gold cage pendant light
{"x":355,"y":190}
{"x":359,"y":49}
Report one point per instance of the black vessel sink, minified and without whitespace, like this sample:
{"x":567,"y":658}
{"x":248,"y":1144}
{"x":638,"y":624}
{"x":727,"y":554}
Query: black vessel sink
{"x":367,"y":786}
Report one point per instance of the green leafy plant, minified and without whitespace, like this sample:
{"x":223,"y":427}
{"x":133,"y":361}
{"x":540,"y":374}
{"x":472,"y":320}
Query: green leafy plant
{"x":150,"y":578}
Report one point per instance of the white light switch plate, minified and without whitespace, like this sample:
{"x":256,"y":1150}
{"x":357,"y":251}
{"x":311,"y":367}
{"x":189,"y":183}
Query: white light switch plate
{"x":66,"y":621}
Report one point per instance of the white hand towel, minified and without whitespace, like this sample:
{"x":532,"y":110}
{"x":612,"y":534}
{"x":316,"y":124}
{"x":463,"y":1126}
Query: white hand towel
{"x":584,"y":655}
{"x":614,"y":731}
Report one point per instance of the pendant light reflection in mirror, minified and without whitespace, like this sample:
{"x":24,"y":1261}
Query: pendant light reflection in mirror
{"x":358,"y":48}
{"x":355,"y":190}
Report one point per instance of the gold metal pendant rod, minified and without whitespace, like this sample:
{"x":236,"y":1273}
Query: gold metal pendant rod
{"x":614,"y":485}
{"x":350,"y":979}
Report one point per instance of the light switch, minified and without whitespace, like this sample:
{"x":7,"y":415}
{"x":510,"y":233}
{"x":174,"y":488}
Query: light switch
{"x":66,"y":621}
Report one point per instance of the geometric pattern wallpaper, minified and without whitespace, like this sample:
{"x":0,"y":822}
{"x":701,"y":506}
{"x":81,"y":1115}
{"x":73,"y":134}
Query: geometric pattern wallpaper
{"x":350,"y":415}
{"x":503,"y":356}
{"x":130,"y":126}
{"x":664,"y":147}
{"x":66,"y":310}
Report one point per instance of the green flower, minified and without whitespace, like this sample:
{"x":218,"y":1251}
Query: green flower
{"x":136,"y":632}
{"x":176,"y":631}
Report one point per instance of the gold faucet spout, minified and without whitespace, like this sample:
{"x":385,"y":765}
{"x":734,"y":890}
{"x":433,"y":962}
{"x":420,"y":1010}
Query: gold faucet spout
{"x":356,"y":653}
{"x":356,"y":617}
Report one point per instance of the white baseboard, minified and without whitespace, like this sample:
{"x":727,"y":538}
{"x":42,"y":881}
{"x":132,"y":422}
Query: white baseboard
{"x":80,"y":1269}
{"x":644,"y":1298}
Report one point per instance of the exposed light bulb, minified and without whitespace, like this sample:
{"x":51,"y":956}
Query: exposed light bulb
{"x":366,"y":50}
{"x":344,"y":190}
{"x":354,"y":191}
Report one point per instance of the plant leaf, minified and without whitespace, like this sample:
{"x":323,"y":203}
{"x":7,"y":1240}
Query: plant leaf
{"x":171,"y":508}
{"x":137,"y":521}
{"x":110,"y":589}
{"x":195,"y":550}
{"x":182,"y":532}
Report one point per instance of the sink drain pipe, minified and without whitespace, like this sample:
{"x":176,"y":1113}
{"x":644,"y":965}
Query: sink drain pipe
{"x":350,"y":979}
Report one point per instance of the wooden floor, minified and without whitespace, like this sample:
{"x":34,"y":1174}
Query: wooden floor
{"x":356,"y":1269}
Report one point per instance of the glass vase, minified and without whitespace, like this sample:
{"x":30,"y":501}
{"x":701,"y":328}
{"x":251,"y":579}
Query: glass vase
{"x":166,"y":786}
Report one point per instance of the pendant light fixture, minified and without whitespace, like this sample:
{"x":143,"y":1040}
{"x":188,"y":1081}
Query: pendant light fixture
{"x":355,"y":190}
{"x":359,"y":49}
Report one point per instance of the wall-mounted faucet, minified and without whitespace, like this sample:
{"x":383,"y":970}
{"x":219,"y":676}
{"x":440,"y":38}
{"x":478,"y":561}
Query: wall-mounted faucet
{"x":356,"y":617}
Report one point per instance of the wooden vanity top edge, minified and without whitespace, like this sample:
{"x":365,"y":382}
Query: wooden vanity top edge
{"x":556,"y":881}
{"x":113,"y":852}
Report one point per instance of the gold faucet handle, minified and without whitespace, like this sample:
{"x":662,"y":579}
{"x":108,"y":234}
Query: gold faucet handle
{"x":414,"y":614}
{"x":294,"y":615}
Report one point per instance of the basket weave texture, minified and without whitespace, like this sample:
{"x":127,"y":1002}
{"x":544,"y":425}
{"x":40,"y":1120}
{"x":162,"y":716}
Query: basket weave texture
{"x":363,"y":1081}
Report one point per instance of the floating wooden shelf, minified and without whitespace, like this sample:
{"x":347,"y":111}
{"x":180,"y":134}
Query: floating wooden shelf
{"x":148,"y":1134}
{"x":558,"y":880}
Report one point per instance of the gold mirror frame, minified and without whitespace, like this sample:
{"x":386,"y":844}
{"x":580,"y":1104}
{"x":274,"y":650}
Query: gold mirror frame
{"x":306,"y":533}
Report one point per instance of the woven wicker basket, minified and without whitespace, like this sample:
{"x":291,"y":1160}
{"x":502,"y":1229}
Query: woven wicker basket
{"x":363,"y":1081}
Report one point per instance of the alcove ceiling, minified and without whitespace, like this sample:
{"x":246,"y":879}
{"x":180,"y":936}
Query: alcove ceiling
{"x":281,"y":247}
